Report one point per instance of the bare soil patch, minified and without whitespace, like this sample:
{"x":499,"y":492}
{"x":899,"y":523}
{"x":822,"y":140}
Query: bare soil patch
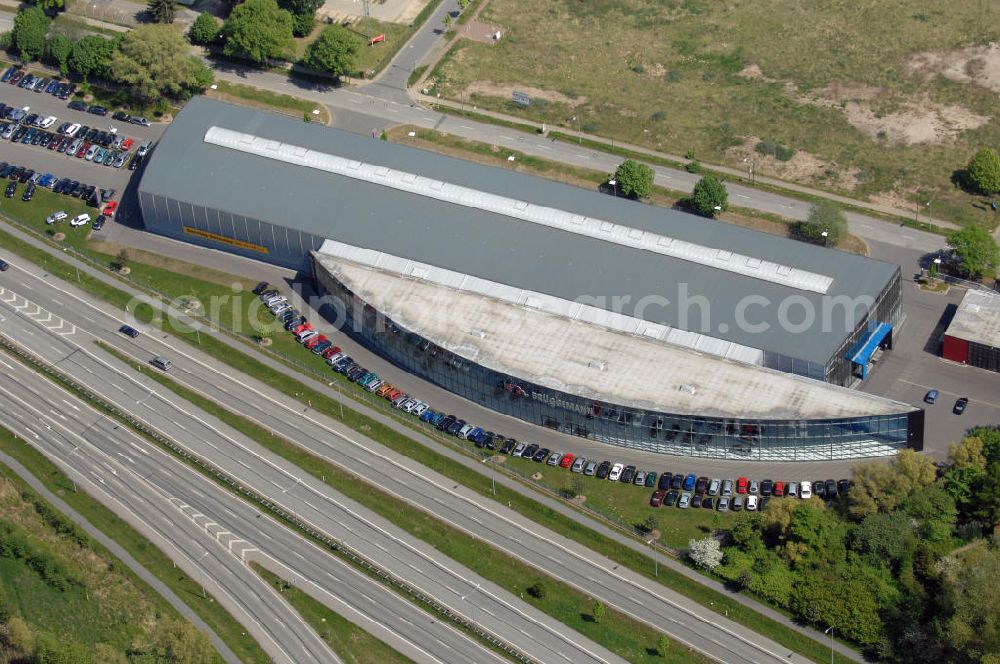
{"x":978,"y":65}
{"x":503,"y":91}
{"x":802,"y":167}
{"x":482,"y":32}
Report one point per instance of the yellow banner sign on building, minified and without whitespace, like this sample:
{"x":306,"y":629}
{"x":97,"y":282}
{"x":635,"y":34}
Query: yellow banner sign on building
{"x":225,"y":240}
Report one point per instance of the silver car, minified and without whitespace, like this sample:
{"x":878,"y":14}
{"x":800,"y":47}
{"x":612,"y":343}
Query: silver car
{"x":727,"y":488}
{"x":590,"y":469}
{"x":578,"y":465}
{"x":713,"y":487}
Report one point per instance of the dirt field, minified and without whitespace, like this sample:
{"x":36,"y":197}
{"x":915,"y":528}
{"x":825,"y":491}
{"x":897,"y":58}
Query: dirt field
{"x":884,"y":98}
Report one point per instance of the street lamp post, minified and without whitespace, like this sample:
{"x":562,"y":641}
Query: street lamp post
{"x":614,"y":183}
{"x":578,"y":135}
{"x":656,"y":561}
{"x":825,"y":235}
{"x":830,"y":632}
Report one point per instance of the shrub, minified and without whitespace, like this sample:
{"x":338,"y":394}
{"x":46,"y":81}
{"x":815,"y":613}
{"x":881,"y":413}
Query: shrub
{"x":694,"y":167}
{"x":775,"y":149}
{"x":205,"y":29}
{"x":537,"y":590}
{"x":983,"y":171}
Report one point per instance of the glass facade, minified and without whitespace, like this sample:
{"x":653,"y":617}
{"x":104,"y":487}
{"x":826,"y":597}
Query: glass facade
{"x":663,"y":432}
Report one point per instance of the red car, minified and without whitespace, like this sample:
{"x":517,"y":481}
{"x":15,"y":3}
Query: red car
{"x":779,"y":489}
{"x":567,"y":461}
{"x":83,"y":150}
{"x":110,"y":209}
{"x":657,"y":499}
{"x":330,"y":352}
{"x":315,"y":341}
{"x":742,"y":484}
{"x":127,"y":144}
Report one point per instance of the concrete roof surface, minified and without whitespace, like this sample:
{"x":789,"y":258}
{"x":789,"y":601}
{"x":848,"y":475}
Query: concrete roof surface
{"x":564,"y":354}
{"x":977,"y":319}
{"x":498,"y":247}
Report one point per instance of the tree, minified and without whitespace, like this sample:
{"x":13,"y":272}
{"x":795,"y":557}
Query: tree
{"x":122,"y":259}
{"x":883,"y":537}
{"x":599,"y":610}
{"x":824,"y":217}
{"x":50,"y":7}
{"x":303,"y":24}
{"x":178,"y":641}
{"x":710,"y":196}
{"x":91,"y":55}
{"x":882,"y":487}
{"x":259,"y":30}
{"x":204,"y":30}
{"x":537,"y":590}
{"x":6,"y":40}
{"x":163,"y":11}
{"x":447,"y":21}
{"x":297,"y":7}
{"x":57,"y":50}
{"x":705,"y":553}
{"x":334,"y":51}
{"x":983,"y":171}
{"x":971,"y":602}
{"x":976,"y":251}
{"x":30,"y":27}
{"x":663,"y":646}
{"x":634,"y":179}
{"x":154,"y":61}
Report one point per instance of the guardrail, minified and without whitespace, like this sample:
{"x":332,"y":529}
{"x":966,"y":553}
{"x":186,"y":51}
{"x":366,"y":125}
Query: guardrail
{"x":342,"y":549}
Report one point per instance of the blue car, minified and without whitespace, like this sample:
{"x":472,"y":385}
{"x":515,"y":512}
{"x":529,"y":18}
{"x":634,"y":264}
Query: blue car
{"x":52,"y":87}
{"x":427,"y":415}
{"x":7,"y":74}
{"x":129,"y":331}
{"x":689,"y":482}
{"x":438,"y":418}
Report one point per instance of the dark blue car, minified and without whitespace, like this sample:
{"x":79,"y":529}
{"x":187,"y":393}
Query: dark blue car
{"x":129,"y":331}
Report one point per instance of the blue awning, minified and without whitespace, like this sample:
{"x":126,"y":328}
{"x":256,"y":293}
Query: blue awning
{"x":865,"y":348}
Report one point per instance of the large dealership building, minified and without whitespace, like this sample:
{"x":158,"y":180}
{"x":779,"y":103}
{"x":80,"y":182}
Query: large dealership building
{"x":600,"y":317}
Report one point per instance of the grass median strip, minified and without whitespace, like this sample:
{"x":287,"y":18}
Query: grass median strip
{"x":407,"y":446}
{"x":351,"y":643}
{"x":628,"y":638}
{"x":147,"y":554}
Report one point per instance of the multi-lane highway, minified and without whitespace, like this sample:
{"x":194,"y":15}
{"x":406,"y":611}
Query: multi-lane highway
{"x":68,"y":344}
{"x":121,"y":470}
{"x":598,"y":576}
{"x":99,"y":451}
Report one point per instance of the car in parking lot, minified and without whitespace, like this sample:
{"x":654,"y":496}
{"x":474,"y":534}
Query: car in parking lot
{"x":616,"y":472}
{"x":960,"y":405}
{"x":723,"y":504}
{"x":603,"y":470}
{"x":708,"y":502}
{"x":779,"y":489}
{"x":671,"y":498}
{"x":640,"y":478}
{"x":665,"y":479}
{"x":742,"y":484}
{"x":554,"y":459}
{"x":685,"y":501}
{"x":690,"y":481}
{"x":143,"y":149}
{"x":591,"y":468}
{"x":567,"y":460}
{"x":29,"y":192}
{"x":97,"y":110}
{"x":766,"y":487}
{"x":701,"y":486}
{"x":831,"y":489}
{"x":77,"y":105}
{"x":99,"y":222}
{"x":139,"y":121}
{"x":579,"y":465}
{"x":541,"y":455}
{"x":55,"y":216}
{"x":11,"y":189}
{"x":751,"y":503}
{"x":4,"y":266}
{"x":805,"y":490}
{"x":657,"y":498}
{"x":80,"y":220}
{"x":843,"y":486}
{"x":931,"y":396}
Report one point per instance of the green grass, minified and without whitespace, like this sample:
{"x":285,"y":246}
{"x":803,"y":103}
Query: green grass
{"x":675,"y":71}
{"x":415,"y":75}
{"x":405,"y":445}
{"x":150,"y":557}
{"x":620,"y":634}
{"x":44,"y":203}
{"x":351,"y":643}
{"x":266,"y":99}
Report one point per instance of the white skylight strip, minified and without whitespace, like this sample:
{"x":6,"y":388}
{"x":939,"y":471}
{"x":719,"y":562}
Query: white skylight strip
{"x":607,"y":231}
{"x":541,"y":302}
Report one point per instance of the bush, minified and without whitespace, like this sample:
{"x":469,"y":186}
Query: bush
{"x":983,"y":172}
{"x":709,"y":197}
{"x":205,"y":30}
{"x":303,"y":24}
{"x":634,"y":180}
{"x":694,"y":167}
{"x":537,"y":590}
{"x":775,"y":149}
{"x":824,"y":217}
{"x":6,"y":40}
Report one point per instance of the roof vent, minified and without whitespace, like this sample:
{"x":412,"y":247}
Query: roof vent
{"x":477,"y":333}
{"x":600,"y":366}
{"x":687,"y":389}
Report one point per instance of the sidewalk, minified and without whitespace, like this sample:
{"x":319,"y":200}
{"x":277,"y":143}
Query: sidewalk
{"x":738,"y":174}
{"x":472,"y":464}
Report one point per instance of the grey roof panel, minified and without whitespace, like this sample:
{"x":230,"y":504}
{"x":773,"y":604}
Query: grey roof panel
{"x":496,"y":247}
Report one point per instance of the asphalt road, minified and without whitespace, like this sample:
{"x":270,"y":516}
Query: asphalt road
{"x":68,"y":345}
{"x":600,"y":577}
{"x":240,"y":528}
{"x":127,"y":481}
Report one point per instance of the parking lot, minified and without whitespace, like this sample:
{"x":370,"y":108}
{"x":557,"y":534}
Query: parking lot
{"x":43,"y":160}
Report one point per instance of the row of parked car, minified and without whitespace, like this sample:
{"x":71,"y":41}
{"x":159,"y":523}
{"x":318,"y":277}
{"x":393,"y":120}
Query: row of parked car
{"x":682,"y":490}
{"x":89,"y":143}
{"x":100,"y":198}
{"x":53,"y":86}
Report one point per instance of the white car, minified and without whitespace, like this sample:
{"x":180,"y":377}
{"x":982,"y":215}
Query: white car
{"x":80,"y":220}
{"x":307,"y":335}
{"x":374,"y":385}
{"x":751,"y":503}
{"x":72,"y":129}
{"x":55,"y":216}
{"x":410,"y":407}
{"x":336,"y":357}
{"x":805,"y":490}
{"x":616,"y":472}
{"x":419,"y":409}
{"x":464,"y":432}
{"x":47,"y":122}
